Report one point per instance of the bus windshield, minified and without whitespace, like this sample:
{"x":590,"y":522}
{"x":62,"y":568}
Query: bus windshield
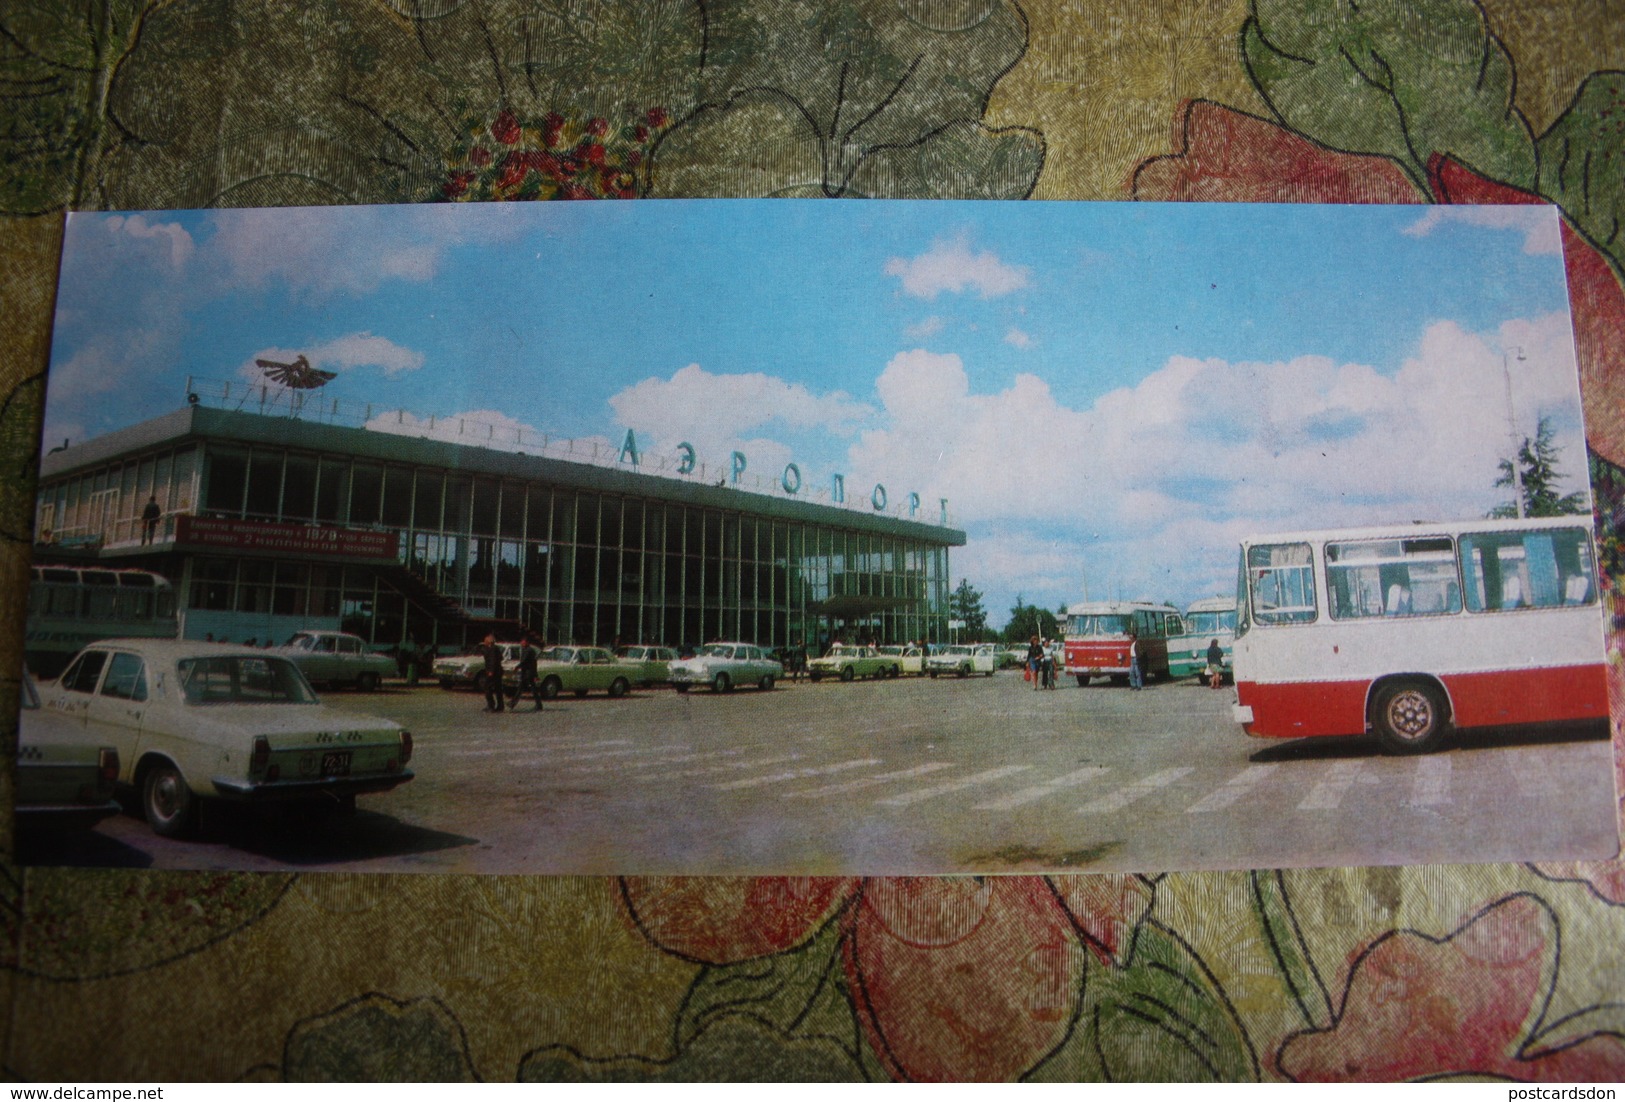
{"x":1099,"y":624}
{"x":1210,"y":623}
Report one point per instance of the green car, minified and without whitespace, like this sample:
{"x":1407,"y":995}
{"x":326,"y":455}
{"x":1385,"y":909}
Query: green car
{"x":582,"y":670}
{"x":848,"y":662}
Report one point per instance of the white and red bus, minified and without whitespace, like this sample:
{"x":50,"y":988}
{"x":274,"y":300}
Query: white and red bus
{"x":1410,"y":630}
{"x":1097,"y":638}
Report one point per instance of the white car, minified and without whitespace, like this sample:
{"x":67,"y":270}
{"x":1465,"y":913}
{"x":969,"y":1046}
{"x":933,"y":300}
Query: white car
{"x":336,"y":658}
{"x":194,"y":721}
{"x":465,"y":669}
{"x":909,"y":658}
{"x":64,"y":777}
{"x":724,"y":665}
{"x":847,"y":662}
{"x":654,"y":663}
{"x":963,"y":659}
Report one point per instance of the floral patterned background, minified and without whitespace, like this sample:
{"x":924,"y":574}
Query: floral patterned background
{"x":1507,"y":971}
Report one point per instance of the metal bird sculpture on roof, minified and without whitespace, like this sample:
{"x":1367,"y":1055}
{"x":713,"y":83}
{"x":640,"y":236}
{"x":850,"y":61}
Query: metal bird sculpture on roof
{"x":298,"y":375}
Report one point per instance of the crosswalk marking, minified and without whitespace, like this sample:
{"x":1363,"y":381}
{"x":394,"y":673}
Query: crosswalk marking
{"x":486,"y":751}
{"x":725,"y":767}
{"x":1328,"y":793}
{"x":796,"y":774}
{"x":1432,"y":784}
{"x":907,"y":798}
{"x":655,"y":764}
{"x":1232,"y":790}
{"x":1116,"y":801}
{"x":874,"y":781}
{"x":1039,"y":791}
{"x":599,"y":755}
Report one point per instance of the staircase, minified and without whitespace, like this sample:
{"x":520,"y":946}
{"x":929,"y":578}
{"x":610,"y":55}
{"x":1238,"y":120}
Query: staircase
{"x":452,"y":618}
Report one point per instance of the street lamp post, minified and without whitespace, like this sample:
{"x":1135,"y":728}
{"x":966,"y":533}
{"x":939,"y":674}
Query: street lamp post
{"x":1512,"y":430}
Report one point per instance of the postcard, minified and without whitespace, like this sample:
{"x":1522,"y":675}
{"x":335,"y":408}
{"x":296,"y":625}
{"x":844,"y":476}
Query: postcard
{"x":779,"y":537}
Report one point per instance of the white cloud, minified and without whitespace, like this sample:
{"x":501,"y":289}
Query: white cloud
{"x":322,"y":251}
{"x":1017,"y":338}
{"x":172,"y":237}
{"x":1155,"y":483}
{"x":1538,"y":224}
{"x":719,"y":414}
{"x":346,"y":353}
{"x":951,"y":266}
{"x":929,"y":327}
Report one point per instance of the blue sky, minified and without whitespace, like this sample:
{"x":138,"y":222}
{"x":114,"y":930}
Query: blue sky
{"x":1109,"y":395}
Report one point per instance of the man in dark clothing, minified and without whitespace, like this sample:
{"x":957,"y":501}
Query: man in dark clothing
{"x":149,"y":519}
{"x":528,"y":653}
{"x":492,"y":654}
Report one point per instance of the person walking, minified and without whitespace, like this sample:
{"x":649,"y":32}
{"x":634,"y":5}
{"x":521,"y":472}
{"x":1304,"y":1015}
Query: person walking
{"x":1136,"y":675}
{"x":492,"y":674}
{"x":1035,"y":660}
{"x":1215,"y":665}
{"x":528,"y":654}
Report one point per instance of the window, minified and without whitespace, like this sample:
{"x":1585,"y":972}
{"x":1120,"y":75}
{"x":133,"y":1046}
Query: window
{"x":1283,"y":583}
{"x":82,"y":675}
{"x":126,"y":678}
{"x":1504,"y":571}
{"x":1394,"y":577}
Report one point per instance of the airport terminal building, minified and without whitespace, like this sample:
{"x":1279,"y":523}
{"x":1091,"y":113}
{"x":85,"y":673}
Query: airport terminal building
{"x":271,"y":524}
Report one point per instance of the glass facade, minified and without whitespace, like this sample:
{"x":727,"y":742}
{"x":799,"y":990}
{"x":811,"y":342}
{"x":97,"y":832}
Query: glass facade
{"x":571,"y":562}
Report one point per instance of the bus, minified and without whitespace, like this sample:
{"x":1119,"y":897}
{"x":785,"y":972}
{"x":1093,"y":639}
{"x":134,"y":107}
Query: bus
{"x":1097,"y":634}
{"x":1205,"y":620}
{"x":70,"y":607}
{"x":1410,"y":631}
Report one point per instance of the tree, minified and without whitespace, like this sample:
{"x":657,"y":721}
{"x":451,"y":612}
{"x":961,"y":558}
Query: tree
{"x":965,"y":604}
{"x":1537,"y":468}
{"x":1027,"y":621}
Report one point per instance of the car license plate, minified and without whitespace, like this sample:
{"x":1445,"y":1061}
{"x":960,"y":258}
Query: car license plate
{"x":336,"y":763}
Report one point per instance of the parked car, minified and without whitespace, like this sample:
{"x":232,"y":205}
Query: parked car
{"x":193,"y":721}
{"x":963,"y":659}
{"x":848,"y":662}
{"x":464,"y":669}
{"x":337,"y":658}
{"x":65,"y":777}
{"x":724,"y":665}
{"x":654,"y":663}
{"x":582,"y":670}
{"x":910,"y":657}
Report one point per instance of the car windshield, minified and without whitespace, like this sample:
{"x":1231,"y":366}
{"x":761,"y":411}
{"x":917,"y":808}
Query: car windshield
{"x":712,"y":650}
{"x":242,"y":679}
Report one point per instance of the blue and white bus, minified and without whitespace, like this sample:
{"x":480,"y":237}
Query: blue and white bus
{"x":1205,"y":620}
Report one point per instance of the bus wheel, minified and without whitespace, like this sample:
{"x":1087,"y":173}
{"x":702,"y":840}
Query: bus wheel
{"x":1083,"y":680}
{"x":1409,"y":717}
